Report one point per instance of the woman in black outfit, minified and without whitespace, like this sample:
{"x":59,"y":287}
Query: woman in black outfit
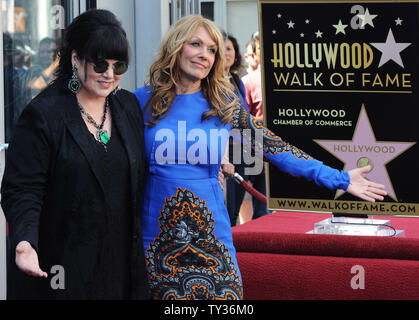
{"x":72,"y":186}
{"x":235,"y":193}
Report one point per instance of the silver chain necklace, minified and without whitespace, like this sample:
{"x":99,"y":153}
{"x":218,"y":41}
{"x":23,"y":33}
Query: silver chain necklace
{"x":101,"y":135}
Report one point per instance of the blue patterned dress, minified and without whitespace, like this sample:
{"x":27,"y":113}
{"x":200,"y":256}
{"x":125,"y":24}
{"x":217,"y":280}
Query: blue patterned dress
{"x":186,"y":227}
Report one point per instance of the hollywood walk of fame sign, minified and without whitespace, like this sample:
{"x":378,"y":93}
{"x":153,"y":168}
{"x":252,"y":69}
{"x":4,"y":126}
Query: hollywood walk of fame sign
{"x":340,"y":81}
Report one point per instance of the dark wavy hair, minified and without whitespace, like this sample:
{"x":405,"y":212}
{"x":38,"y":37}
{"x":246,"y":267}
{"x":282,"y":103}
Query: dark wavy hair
{"x":238,"y":59}
{"x":94,"y":35}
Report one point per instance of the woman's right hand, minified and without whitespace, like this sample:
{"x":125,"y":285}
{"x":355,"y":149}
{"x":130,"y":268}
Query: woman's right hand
{"x":27,"y":260}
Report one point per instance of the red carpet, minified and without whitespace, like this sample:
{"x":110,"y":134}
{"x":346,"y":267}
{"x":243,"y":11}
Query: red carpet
{"x":278,"y":260}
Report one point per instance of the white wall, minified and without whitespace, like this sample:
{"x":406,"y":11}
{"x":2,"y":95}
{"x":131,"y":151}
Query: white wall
{"x":151,"y":22}
{"x":124,"y":10}
{"x":145,"y":21}
{"x":242,"y":20}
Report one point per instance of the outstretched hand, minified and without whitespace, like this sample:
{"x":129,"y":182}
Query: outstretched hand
{"x":363,"y":188}
{"x":27,"y":260}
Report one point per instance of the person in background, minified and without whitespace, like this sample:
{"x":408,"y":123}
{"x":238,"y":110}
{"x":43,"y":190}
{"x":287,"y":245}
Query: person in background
{"x":16,"y":61}
{"x":41,"y":74}
{"x":72,"y":186}
{"x":253,"y":84}
{"x":10,"y":80}
{"x":234,"y":66}
{"x":189,"y":98}
{"x":249,"y":57}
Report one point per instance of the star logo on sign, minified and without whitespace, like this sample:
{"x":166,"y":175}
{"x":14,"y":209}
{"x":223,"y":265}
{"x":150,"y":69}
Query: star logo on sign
{"x":390,"y":50}
{"x":340,"y":27}
{"x":367,"y":19}
{"x":364,"y":150}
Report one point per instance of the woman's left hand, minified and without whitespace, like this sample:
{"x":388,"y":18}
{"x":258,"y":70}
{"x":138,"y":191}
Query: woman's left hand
{"x":227,"y":169}
{"x":221,"y":179}
{"x":363,"y":188}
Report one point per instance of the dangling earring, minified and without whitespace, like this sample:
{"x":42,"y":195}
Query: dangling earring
{"x":115,"y":91}
{"x":74,"y":84}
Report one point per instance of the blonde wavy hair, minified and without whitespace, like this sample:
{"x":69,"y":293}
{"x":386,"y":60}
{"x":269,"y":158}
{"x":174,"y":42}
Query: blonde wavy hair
{"x":165,"y":73}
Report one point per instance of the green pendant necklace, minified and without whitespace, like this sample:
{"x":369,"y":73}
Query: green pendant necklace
{"x":101,"y":135}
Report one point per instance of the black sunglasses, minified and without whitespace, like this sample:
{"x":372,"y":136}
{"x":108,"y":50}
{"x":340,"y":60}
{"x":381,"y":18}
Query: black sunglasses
{"x":102,"y":66}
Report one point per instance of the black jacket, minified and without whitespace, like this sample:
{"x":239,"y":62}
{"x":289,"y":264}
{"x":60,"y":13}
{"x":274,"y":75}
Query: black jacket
{"x":52,"y":195}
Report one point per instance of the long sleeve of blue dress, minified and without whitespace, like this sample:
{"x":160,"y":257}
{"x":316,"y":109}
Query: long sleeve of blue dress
{"x":287,"y":157}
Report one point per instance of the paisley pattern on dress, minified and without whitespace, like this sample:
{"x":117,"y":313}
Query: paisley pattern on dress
{"x":271,"y":144}
{"x":186,"y":261}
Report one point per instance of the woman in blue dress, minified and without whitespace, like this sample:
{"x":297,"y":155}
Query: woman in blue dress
{"x":189,"y":111}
